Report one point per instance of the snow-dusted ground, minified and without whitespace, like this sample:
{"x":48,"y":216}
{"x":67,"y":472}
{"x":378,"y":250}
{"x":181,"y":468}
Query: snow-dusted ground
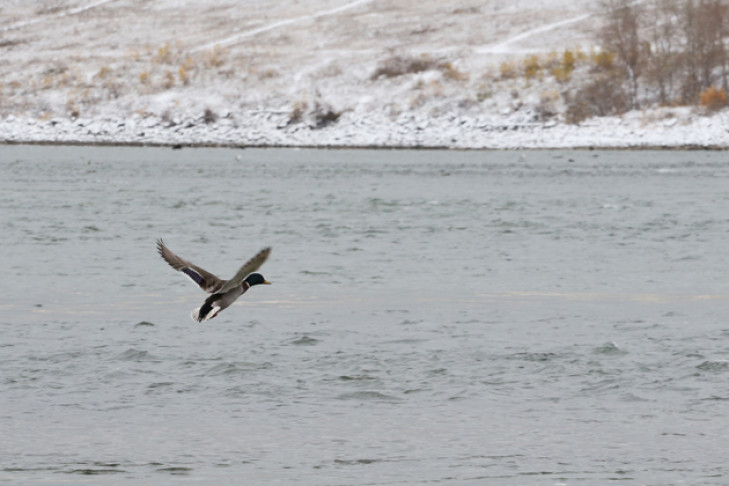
{"x":303,"y":73}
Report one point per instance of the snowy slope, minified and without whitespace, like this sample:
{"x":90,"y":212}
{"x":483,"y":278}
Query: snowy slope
{"x":303,"y":72}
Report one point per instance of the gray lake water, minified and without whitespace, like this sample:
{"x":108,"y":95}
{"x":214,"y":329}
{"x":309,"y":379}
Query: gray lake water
{"x":435,"y":317}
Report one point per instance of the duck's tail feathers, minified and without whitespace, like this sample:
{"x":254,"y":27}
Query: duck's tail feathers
{"x":204,"y":313}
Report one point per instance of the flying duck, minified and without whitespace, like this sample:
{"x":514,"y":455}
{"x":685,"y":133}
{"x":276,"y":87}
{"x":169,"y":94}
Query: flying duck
{"x":222,"y":292}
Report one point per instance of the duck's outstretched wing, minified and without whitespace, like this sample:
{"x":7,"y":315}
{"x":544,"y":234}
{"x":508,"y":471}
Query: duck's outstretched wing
{"x":206,"y":280}
{"x":250,"y":266}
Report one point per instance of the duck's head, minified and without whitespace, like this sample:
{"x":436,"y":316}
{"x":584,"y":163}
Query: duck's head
{"x":256,"y":279}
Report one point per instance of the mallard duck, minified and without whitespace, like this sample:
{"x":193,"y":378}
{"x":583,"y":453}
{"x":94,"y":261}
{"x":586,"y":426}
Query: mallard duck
{"x":223,"y":292}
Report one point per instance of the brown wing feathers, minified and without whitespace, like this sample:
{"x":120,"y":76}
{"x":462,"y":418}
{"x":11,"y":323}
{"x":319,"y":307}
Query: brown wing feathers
{"x":206,"y":280}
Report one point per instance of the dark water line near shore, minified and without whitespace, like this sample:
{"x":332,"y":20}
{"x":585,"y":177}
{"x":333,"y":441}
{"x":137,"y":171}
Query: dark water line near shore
{"x":177,"y":146}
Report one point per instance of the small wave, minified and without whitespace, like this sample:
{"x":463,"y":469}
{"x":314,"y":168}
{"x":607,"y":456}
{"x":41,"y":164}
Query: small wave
{"x":368,"y":396}
{"x":95,"y":472}
{"x":534,"y":356}
{"x":355,"y":462}
{"x":632,"y":397}
{"x":356,"y":378}
{"x":714,"y":365}
{"x":305,"y":341}
{"x":609,"y":348}
{"x":162,"y":384}
{"x":175,"y":470}
{"x":135,"y":355}
{"x":97,"y":469}
{"x":60,"y":357}
{"x":237,"y":368}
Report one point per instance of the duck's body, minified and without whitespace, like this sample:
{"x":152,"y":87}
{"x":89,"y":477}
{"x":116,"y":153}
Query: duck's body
{"x":222,"y":300}
{"x":223,"y":292}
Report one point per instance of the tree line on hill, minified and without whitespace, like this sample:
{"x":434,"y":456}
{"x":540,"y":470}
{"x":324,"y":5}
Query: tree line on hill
{"x":662,"y":52}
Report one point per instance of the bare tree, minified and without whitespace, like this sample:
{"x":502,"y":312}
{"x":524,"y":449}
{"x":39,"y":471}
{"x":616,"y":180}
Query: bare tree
{"x":676,"y":48}
{"x":705,"y":58}
{"x":664,"y":52}
{"x":621,"y":35}
{"x":712,"y":21}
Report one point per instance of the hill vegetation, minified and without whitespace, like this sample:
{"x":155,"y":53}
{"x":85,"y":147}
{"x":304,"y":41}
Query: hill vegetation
{"x":657,"y":53}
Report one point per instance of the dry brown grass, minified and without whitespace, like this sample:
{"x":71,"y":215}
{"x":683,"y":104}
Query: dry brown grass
{"x":399,"y":65}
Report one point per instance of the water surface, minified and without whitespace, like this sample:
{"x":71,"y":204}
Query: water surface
{"x":436,"y":317}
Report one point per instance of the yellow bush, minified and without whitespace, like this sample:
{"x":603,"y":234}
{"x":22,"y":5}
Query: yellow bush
{"x":103,"y":72}
{"x":532,"y":68}
{"x":484,"y":92}
{"x":164,"y":55}
{"x":169,"y":80}
{"x":507,"y":70}
{"x":568,"y":60}
{"x":552,"y":60}
{"x":563,"y":70}
{"x":184,"y":71}
{"x":48,"y":81}
{"x":604,"y":60}
{"x":713,"y":98}
{"x":561,"y":74}
{"x":450,"y":72}
{"x":214,"y":57}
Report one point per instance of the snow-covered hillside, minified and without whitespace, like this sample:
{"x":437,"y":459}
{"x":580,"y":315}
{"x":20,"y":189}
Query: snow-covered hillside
{"x":308,"y":72}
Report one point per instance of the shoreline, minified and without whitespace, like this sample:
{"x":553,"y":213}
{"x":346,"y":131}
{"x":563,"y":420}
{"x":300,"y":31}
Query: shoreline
{"x":367,"y":130}
{"x":200,"y":145}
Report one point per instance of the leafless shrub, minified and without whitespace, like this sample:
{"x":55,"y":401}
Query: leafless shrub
{"x":209,"y":116}
{"x":73,"y":112}
{"x":167,"y":118}
{"x":4,"y":43}
{"x":320,"y":114}
{"x":49,"y":8}
{"x":398,"y":65}
{"x":621,"y":34}
{"x":297,"y":112}
{"x":547,"y":106}
{"x":324,"y":115}
{"x":467,"y":10}
{"x":603,"y":96}
{"x":451,"y":72}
